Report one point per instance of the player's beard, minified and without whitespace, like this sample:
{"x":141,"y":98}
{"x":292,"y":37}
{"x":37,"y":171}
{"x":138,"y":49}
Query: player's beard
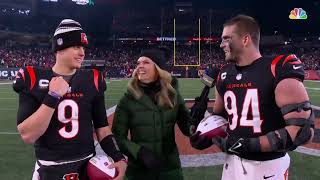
{"x":232,"y":53}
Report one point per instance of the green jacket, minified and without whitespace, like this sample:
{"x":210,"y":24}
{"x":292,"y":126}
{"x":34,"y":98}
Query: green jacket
{"x":153,"y":127}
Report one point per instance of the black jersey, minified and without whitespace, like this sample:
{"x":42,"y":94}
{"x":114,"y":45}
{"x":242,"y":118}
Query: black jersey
{"x":70,"y":132}
{"x":248,"y":93}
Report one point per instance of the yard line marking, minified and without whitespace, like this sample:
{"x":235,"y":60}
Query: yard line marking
{"x":201,"y":160}
{"x":10,"y":98}
{"x":316,"y":89}
{"x":317,"y":81}
{"x":5,"y":83}
{"x":9,"y":133}
{"x":309,"y":151}
{"x":111,"y":110}
{"x":8,"y":109}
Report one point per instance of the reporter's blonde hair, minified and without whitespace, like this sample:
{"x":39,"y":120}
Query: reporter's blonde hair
{"x":166,"y":97}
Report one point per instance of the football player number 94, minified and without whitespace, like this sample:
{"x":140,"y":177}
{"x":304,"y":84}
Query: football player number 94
{"x":251,"y":102}
{"x":72,"y":107}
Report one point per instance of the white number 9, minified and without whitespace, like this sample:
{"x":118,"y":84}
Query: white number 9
{"x":73,"y":119}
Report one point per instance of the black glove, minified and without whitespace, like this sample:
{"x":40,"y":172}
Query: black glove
{"x":149,"y":159}
{"x":199,"y":109}
{"x":200,"y":142}
{"x":237,"y":146}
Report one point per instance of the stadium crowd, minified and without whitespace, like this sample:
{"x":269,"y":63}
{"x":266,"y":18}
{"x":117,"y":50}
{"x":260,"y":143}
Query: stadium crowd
{"x":122,"y":58}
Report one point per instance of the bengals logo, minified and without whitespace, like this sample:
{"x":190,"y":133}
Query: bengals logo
{"x":71,"y":176}
{"x":84,"y":39}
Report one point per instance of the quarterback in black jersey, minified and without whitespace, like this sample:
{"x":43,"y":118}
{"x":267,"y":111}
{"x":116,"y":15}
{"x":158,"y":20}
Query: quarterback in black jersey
{"x":265,"y":102}
{"x":60,"y":107}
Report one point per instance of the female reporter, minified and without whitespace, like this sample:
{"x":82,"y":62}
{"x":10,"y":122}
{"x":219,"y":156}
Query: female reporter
{"x":150,"y":109}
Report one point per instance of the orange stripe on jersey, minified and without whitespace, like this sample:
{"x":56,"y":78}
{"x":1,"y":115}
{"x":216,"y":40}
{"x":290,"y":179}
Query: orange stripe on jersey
{"x":274,"y":64}
{"x":32,"y":76}
{"x":218,"y":78}
{"x":95,"y":78}
{"x":290,"y":57}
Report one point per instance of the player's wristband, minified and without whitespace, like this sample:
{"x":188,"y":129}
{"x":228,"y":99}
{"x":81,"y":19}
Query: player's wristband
{"x":110,"y":147}
{"x":54,"y":94}
{"x":51,"y":100}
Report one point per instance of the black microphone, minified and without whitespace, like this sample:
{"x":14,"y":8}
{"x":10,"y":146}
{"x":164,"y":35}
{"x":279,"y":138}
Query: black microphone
{"x":201,"y":102}
{"x":209,"y":80}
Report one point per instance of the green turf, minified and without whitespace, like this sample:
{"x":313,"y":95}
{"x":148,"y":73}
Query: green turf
{"x":17,"y":158}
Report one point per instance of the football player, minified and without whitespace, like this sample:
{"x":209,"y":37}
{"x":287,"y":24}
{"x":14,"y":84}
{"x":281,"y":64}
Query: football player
{"x":265,"y":102}
{"x":59,"y":107}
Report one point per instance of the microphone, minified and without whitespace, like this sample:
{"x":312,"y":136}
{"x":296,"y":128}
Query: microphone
{"x":201,"y":102}
{"x":209,"y":80}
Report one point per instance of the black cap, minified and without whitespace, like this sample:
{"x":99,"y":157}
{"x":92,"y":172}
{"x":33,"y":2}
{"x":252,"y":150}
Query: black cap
{"x":68,"y":33}
{"x":157,"y":56}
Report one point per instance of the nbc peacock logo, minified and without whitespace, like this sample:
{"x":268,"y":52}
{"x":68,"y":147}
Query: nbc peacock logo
{"x":298,"y":13}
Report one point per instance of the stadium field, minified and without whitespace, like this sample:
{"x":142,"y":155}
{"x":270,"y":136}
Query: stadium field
{"x":17,"y":158}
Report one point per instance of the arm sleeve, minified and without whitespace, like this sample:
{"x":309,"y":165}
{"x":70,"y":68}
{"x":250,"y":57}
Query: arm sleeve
{"x":289,"y":67}
{"x":27,"y":103}
{"x":184,"y":119}
{"x":120,"y":130}
{"x":27,"y":106}
{"x":99,"y":115}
